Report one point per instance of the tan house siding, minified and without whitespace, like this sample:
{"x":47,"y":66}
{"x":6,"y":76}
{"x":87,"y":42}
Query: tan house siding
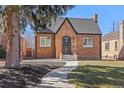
{"x":65,"y":30}
{"x":91,"y":52}
{"x":111,"y":53}
{"x":112,"y":38}
{"x":45,"y":52}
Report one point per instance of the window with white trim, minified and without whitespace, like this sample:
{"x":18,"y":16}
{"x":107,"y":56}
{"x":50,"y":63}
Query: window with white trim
{"x":88,"y":42}
{"x":45,"y":41}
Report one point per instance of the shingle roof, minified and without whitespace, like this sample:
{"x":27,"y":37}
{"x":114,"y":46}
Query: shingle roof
{"x":56,"y":24}
{"x":110,"y":36}
{"x":44,"y":30}
{"x":85,"y":26}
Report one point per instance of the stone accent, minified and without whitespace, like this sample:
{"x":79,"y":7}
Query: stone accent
{"x":70,"y":57}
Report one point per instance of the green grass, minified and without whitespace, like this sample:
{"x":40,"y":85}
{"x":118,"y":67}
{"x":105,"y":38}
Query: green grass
{"x":98,"y":74}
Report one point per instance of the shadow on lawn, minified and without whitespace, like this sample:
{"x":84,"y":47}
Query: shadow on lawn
{"x":26,"y":76}
{"x":94,"y":76}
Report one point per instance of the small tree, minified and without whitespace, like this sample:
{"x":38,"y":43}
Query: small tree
{"x":18,"y":17}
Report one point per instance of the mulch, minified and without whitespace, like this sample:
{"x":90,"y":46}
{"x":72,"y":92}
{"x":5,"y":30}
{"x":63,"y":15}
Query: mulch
{"x":25,"y":77}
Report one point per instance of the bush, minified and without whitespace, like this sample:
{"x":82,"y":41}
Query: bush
{"x":2,"y":53}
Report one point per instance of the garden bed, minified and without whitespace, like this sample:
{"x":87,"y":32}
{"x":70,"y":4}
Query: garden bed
{"x":24,"y":77}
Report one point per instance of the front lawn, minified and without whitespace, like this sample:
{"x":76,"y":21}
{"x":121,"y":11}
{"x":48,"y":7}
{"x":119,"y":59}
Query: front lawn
{"x":98,"y":74}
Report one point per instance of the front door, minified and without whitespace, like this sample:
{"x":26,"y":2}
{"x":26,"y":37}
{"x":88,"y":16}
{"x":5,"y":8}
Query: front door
{"x":66,"y":45}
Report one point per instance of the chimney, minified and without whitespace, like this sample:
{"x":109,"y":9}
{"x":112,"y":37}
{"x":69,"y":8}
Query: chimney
{"x":95,"y":18}
{"x":121,"y":34}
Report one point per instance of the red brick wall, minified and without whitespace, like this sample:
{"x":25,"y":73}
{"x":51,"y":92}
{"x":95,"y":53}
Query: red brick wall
{"x":45,"y":52}
{"x":22,"y":44}
{"x":4,"y":40}
{"x":89,"y":53}
{"x":65,"y":30}
{"x":29,"y":52}
{"x":76,"y":44}
{"x":22,"y":47}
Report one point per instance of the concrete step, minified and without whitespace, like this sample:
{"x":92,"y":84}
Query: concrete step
{"x":69,"y":57}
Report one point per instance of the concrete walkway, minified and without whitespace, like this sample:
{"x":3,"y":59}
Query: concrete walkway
{"x":58,"y":77}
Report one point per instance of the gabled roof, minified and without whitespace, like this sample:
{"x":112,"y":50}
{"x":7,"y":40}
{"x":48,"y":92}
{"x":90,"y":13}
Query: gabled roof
{"x":55,"y":25}
{"x":87,"y":26}
{"x":111,"y":36}
{"x":80,"y":25}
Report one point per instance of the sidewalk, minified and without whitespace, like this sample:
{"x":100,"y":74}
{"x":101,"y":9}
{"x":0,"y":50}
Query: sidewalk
{"x":58,"y":77}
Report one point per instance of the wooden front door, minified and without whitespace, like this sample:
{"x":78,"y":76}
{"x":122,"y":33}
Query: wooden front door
{"x":66,"y":45}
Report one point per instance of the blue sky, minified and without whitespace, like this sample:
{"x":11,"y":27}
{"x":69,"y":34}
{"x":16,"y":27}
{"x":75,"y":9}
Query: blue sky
{"x":107,"y":14}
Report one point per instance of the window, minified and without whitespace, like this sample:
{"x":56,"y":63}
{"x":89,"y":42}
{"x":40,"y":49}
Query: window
{"x":107,"y":46}
{"x":88,"y":42}
{"x":116,"y":45}
{"x":45,"y":41}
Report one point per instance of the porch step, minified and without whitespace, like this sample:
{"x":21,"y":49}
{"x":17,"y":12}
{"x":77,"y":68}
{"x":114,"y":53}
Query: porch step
{"x":69,"y":57}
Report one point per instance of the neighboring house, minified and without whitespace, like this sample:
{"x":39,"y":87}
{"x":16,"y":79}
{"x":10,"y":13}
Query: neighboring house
{"x":3,"y":44}
{"x":2,"y":35}
{"x":29,"y":47}
{"x":78,"y":37}
{"x":23,"y":52}
{"x":3,"y":40}
{"x":113,"y":44}
{"x":1,"y":20}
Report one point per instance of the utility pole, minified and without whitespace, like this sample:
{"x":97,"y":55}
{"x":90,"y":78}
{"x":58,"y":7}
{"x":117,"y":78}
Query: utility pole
{"x":113,"y":26}
{"x":117,"y":27}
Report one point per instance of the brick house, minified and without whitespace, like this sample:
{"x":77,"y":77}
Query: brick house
{"x":69,"y":37}
{"x":113,"y":44}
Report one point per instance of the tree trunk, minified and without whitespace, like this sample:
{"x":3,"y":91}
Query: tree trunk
{"x":13,"y":56}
